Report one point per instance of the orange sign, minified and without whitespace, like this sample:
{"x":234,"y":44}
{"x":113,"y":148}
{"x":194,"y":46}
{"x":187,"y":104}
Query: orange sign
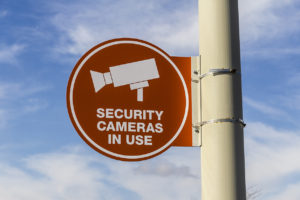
{"x":129,"y":100}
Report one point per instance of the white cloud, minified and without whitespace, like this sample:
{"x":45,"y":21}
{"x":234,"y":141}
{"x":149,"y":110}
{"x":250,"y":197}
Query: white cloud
{"x":19,"y":99}
{"x":272,"y":159}
{"x":3,"y":118}
{"x":269,"y":28}
{"x":277,"y":107}
{"x":34,"y":104}
{"x":75,"y":174}
{"x":85,"y":24}
{"x":272,"y":52}
{"x":53,"y":176}
{"x":82,"y":25}
{"x":13,"y":91}
{"x":8,"y":54}
{"x":169,"y":176}
{"x":8,"y":90}
{"x":264,"y":108}
{"x":3,"y":13}
{"x":272,"y":155}
{"x":291,"y":192}
{"x":268,"y":19}
{"x":294,"y":79}
{"x":164,"y":168}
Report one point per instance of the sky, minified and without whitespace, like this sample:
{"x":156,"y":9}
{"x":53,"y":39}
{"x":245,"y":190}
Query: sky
{"x":42,"y":156}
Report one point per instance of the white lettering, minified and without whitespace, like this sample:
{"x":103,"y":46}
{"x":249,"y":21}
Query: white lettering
{"x":116,"y":139}
{"x":126,"y":114}
{"x":109,"y":113}
{"x":138,"y":114}
{"x":150,"y":112}
{"x":100,"y":112}
{"x":159,"y":114}
{"x":139,"y":140}
{"x":148,"y":139}
{"x":121,"y":126}
{"x":109,"y":138}
{"x":110,"y":126}
{"x":131,"y":127}
{"x":99,"y":126}
{"x":150,"y":128}
{"x":140,"y":127}
{"x":158,"y":128}
{"x":128,"y":139}
{"x":117,"y":115}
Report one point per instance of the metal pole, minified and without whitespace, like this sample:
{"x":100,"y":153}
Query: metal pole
{"x":222,"y":152}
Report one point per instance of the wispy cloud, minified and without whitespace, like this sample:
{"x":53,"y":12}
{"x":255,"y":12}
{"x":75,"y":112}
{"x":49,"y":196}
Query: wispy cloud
{"x":149,"y":20}
{"x":3,"y":13}
{"x":279,"y":108}
{"x":34,"y":105}
{"x":53,"y":176}
{"x":23,"y":94}
{"x":269,"y":28}
{"x":10,"y":90}
{"x":272,"y":155}
{"x":164,"y":169}
{"x":175,"y":30}
{"x":75,"y":174}
{"x":9,"y":53}
{"x":263,"y":107}
{"x":294,"y":79}
{"x":273,"y":52}
{"x":292,"y":101}
{"x":272,"y":160}
{"x":268,"y":19}
{"x":291,"y":192}
{"x":3,"y":118}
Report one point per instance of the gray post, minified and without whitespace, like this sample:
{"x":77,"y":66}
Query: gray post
{"x":222,"y":151}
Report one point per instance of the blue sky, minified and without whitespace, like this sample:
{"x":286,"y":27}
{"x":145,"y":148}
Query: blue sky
{"x":41,"y":155}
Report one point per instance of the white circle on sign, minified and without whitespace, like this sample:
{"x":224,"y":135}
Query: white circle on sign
{"x":84,"y":133}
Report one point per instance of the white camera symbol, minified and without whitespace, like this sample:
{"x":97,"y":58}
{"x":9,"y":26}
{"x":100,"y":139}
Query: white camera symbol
{"x":136,"y":74}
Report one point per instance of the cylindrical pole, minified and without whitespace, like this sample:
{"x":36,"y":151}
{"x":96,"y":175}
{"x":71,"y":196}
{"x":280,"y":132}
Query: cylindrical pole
{"x":222,"y":151}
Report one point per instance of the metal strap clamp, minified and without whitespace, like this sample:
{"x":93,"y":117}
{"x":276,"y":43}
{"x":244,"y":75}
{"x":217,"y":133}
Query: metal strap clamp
{"x":213,"y":72}
{"x":196,"y":128}
{"x":232,"y":120}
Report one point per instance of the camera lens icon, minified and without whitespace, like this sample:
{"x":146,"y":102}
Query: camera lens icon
{"x":136,"y":74}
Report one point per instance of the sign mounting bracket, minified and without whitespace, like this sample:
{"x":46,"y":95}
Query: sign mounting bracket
{"x":196,"y":104}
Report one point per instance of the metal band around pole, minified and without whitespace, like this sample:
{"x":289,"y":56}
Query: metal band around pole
{"x":232,"y":120}
{"x":214,"y":72}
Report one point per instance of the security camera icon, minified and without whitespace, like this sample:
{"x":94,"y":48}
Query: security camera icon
{"x":136,"y":74}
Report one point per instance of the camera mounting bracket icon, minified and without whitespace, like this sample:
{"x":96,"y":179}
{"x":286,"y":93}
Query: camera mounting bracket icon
{"x":136,"y":74}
